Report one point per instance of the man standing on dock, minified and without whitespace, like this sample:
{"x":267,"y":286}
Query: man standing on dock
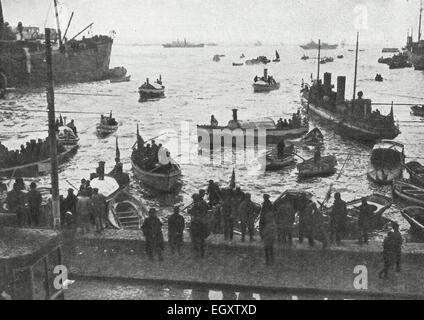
{"x":176,"y":225}
{"x":247,"y":210}
{"x":198,"y":226}
{"x":392,"y":247}
{"x":99,"y":209}
{"x":34,"y":204}
{"x":338,"y":219}
{"x":365,"y":212}
{"x":152,"y":230}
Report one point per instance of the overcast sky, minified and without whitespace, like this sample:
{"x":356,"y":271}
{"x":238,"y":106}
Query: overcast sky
{"x":228,"y":21}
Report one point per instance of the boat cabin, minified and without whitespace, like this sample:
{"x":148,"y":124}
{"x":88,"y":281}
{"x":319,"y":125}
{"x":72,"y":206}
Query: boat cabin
{"x":28,"y":258}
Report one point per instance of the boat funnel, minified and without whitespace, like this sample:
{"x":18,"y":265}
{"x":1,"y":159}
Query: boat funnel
{"x":147,"y":80}
{"x":266,"y":74}
{"x":101,"y":170}
{"x":235,"y":115}
{"x":341,"y":87}
{"x":327,"y":81}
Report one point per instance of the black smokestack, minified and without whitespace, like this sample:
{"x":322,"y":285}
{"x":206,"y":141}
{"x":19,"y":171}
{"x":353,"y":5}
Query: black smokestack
{"x":341,"y":86}
{"x":235,"y":115}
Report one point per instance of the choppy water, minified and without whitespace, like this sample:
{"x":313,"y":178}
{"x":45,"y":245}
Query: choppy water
{"x":197,"y":87}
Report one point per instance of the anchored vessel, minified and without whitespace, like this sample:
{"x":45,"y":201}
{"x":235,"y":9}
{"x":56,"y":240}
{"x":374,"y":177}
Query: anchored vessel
{"x":246,"y":132}
{"x":415,"y":50}
{"x":183,"y":44}
{"x":265,"y":84}
{"x":353,"y":118}
{"x":151,"y":90}
{"x":324,"y":46}
{"x":22,"y":62}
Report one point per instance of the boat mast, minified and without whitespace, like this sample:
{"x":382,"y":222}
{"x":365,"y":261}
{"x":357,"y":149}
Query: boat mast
{"x":356,"y":70}
{"x":59,"y":33}
{"x":319,"y":59}
{"x":419,"y":24}
{"x":1,"y":22}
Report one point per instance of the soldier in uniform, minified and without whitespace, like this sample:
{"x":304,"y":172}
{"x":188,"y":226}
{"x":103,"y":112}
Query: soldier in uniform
{"x":176,"y":225}
{"x":152,"y":230}
{"x":247,"y":213}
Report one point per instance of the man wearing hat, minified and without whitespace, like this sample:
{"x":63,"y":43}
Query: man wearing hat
{"x":152,"y":230}
{"x":34,"y":204}
{"x":247,"y":212}
{"x":266,"y":215}
{"x":398,"y":240}
{"x":176,"y":225}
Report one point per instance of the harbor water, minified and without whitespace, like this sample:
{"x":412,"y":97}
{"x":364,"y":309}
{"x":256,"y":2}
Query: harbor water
{"x":197,"y":87}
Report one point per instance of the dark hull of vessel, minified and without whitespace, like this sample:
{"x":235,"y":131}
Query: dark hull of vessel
{"x":234,"y":137}
{"x":23,"y":62}
{"x":323,"y":47}
{"x":349,"y":129}
{"x":417,"y":60}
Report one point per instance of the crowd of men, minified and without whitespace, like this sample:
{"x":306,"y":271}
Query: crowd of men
{"x":33,"y":151}
{"x":108,"y":120}
{"x":229,"y":209}
{"x":146,"y":156}
{"x":269,"y":79}
{"x":294,"y":122}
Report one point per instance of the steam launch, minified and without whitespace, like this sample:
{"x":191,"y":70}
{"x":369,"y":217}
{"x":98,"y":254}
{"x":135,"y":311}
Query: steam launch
{"x":22,"y":55}
{"x":354,"y":118}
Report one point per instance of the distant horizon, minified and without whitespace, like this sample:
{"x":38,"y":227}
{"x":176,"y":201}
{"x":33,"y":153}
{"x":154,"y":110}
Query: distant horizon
{"x":292,"y":22}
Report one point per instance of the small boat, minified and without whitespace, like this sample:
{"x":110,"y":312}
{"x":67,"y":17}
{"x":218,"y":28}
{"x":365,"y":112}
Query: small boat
{"x":236,"y":64}
{"x":258,"y":44}
{"x":417,"y":110}
{"x":386,"y":60}
{"x":165,"y":174}
{"x":322,"y":61}
{"x":408,"y":192}
{"x":216,"y":58}
{"x":323,"y":167}
{"x":379,"y":203}
{"x":387,"y":161}
{"x":378,"y":77}
{"x":122,"y":79}
{"x":258,"y":60}
{"x":126,"y":212}
{"x":151,"y":90}
{"x":416,"y":172}
{"x":340,"y":56}
{"x":66,"y":136}
{"x":305,"y":57}
{"x":277,"y":57}
{"x":390,"y":50}
{"x":107,"y":125}
{"x":265,"y":84}
{"x":38,"y":167}
{"x":313,"y":137}
{"x":274,"y":162}
{"x":329,"y":59}
{"x":415,"y":217}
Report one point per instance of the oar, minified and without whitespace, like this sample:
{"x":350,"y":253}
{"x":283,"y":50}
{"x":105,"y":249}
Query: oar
{"x":71,"y":185}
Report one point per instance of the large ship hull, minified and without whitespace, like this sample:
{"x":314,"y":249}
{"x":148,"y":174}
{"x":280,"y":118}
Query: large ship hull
{"x":24,"y":65}
{"x":349,"y":129}
{"x":417,"y":60}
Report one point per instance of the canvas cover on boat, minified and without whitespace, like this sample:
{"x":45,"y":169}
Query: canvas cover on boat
{"x":66,"y":133}
{"x":261,"y":123}
{"x":106,"y":187}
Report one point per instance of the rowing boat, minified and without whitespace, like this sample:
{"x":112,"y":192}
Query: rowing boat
{"x":313,"y":137}
{"x":408,"y":192}
{"x":323,"y":167}
{"x":38,"y":167}
{"x":126,"y":212}
{"x":274,"y":162}
{"x":387,"y":160}
{"x":415,"y":217}
{"x":416,"y":172}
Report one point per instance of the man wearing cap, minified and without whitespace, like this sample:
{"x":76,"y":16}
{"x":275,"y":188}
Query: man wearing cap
{"x":365,"y":212}
{"x":16,"y":204}
{"x":266,"y":215}
{"x":176,"y":225}
{"x":247,"y":212}
{"x":34,"y":205}
{"x":198,"y":227}
{"x":338,"y":219}
{"x":69,"y":205}
{"x":152,"y":230}
{"x":99,"y":209}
